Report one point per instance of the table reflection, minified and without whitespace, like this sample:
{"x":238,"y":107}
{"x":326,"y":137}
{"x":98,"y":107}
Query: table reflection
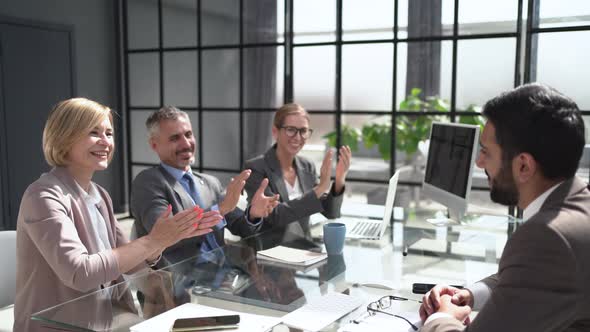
{"x":232,"y":278}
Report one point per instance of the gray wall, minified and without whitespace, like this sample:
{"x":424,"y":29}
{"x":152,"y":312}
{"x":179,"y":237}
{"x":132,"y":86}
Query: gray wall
{"x":94,"y":23}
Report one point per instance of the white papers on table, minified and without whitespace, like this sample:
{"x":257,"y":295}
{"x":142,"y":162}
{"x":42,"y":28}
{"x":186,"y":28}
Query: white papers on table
{"x":292,"y":256}
{"x":164,"y":321}
{"x":385,"y":323}
{"x":321,"y":311}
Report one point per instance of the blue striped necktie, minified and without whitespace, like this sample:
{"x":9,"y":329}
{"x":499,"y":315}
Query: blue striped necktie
{"x":211,"y":242}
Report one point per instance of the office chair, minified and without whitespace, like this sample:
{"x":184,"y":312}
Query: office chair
{"x":7,"y":279}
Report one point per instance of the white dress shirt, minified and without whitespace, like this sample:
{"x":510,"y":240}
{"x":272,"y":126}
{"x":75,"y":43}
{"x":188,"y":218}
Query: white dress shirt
{"x":294,"y":191}
{"x":92,"y":199}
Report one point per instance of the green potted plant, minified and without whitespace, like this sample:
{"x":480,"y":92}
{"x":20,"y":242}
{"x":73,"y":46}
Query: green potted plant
{"x":410,"y":129}
{"x":350,"y":136}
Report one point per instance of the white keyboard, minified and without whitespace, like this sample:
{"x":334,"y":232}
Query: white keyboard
{"x":369,"y":229}
{"x":320,"y":312}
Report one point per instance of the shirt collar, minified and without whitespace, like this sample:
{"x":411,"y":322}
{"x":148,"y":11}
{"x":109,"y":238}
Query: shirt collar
{"x":92,"y":197}
{"x":535,"y":205}
{"x":176,"y":173}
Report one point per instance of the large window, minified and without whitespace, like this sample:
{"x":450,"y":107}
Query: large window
{"x":376,"y":75}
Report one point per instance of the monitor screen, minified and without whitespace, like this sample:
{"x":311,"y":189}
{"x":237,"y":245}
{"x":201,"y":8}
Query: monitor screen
{"x":451,"y":157}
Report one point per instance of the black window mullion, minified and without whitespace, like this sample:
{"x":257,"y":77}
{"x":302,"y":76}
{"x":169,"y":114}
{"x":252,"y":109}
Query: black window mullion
{"x":454,"y":61}
{"x":127,"y":111}
{"x":528,"y":75}
{"x":288,"y":54}
{"x":524,"y":69}
{"x":517,"y":77}
{"x":537,"y":29}
{"x":241,"y":84}
{"x":393,"y":152}
{"x":200,"y":84}
{"x":160,"y":53}
{"x":338,"y":86}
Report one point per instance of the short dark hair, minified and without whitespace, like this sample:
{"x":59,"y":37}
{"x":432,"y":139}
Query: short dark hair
{"x":539,"y":120}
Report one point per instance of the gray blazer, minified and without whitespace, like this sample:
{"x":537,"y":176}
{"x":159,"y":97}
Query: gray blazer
{"x":57,"y":254}
{"x":543,"y":278}
{"x":153,"y":189}
{"x":297,"y":210}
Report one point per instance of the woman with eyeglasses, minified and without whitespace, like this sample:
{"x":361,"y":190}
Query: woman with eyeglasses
{"x":294,"y":177}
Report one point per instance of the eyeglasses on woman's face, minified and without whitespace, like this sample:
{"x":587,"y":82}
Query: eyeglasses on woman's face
{"x":291,"y":131}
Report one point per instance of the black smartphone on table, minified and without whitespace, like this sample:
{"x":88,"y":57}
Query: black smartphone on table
{"x":206,"y":323}
{"x":422,"y":288}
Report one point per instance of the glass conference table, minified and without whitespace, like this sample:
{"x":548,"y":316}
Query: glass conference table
{"x":412,"y":250}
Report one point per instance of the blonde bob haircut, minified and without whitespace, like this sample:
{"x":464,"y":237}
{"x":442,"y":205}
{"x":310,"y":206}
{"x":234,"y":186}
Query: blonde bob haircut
{"x":286,"y":110}
{"x":68,"y":122}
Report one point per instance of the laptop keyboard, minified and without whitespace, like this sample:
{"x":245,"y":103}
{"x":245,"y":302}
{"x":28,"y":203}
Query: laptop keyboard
{"x":368,"y":229}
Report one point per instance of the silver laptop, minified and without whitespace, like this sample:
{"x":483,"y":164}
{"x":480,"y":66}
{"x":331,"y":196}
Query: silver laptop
{"x":361,"y":228}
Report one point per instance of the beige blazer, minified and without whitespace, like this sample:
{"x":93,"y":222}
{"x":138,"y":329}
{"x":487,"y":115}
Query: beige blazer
{"x":57,"y":256}
{"x":543,"y":280}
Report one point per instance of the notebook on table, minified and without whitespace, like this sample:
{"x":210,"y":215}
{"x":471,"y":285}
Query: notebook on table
{"x":364,"y":228}
{"x":290,"y":256}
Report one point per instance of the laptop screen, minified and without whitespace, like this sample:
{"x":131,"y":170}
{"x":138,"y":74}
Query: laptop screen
{"x":389,"y":202}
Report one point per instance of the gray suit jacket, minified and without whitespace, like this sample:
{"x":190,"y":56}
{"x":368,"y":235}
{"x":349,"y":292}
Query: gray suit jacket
{"x":543,"y":278}
{"x":297,"y":210}
{"x":153,"y":189}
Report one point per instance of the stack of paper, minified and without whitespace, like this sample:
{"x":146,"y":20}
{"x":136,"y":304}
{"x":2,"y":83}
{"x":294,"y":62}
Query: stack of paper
{"x":291,"y":256}
{"x":321,"y":311}
{"x":163,"y":322}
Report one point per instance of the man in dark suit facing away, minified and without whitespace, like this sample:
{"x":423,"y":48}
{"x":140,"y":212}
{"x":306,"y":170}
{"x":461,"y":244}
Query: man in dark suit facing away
{"x":530,"y":149}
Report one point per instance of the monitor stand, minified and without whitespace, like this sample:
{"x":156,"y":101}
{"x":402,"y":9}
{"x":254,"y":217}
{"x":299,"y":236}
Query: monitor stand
{"x":451,"y":217}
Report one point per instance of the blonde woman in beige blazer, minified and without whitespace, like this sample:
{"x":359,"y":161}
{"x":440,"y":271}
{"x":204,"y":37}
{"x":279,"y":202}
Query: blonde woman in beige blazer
{"x":68,"y":240}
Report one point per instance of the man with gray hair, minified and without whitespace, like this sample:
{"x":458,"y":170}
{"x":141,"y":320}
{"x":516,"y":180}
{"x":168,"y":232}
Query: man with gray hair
{"x":174,"y":183}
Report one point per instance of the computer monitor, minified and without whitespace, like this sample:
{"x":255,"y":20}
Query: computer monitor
{"x":451,"y":159}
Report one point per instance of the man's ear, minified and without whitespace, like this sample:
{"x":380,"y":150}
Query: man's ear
{"x":524,"y":167}
{"x":275,"y":132}
{"x":152,"y":142}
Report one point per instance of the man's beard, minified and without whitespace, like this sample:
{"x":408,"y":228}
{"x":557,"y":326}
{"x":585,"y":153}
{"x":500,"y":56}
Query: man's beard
{"x":191,"y":150}
{"x":503,"y":188}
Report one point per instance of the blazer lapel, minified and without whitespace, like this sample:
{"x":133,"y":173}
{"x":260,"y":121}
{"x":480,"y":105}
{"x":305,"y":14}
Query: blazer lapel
{"x":306,"y":178}
{"x":205,"y":193}
{"x":82,"y":227}
{"x":276,"y":179}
